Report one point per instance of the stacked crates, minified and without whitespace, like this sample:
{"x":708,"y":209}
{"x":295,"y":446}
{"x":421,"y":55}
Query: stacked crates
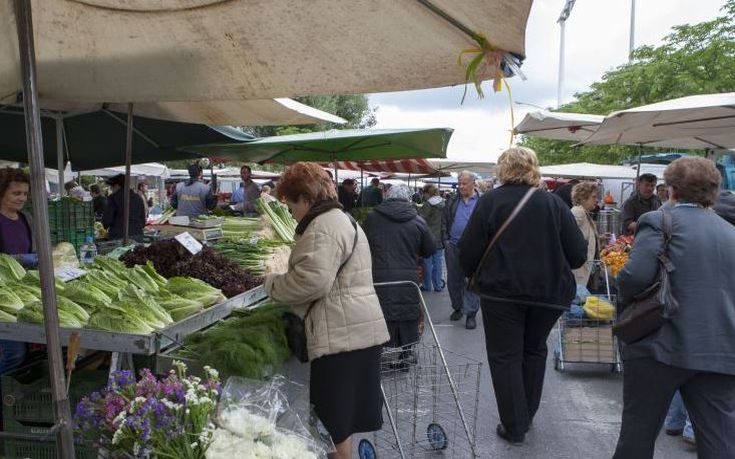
{"x":27,"y":408}
{"x":70,"y":220}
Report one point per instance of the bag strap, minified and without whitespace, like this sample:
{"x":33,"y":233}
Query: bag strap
{"x":339,"y":270}
{"x":500,"y":231}
{"x":666,"y":227}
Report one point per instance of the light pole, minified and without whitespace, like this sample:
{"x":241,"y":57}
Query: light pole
{"x":631,"y":45}
{"x":562,"y":23}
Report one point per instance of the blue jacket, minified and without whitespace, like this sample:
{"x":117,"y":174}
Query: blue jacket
{"x":701,"y":336}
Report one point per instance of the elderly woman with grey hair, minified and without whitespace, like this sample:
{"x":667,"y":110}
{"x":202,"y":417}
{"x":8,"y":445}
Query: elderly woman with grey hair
{"x":398,"y":238}
{"x":694,"y":351}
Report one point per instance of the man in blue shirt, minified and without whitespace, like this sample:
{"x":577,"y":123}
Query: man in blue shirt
{"x":456,"y":215}
{"x":244,"y":197}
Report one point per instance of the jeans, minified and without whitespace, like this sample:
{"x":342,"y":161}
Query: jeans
{"x":677,"y":417}
{"x":434,"y":271}
{"x":462,"y":299}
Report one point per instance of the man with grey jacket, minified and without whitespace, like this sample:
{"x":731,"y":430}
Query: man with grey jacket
{"x":193,"y":197}
{"x":456,"y":215}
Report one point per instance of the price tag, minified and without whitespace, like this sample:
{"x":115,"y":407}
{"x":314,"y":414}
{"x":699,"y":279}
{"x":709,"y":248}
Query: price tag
{"x":191,"y":244}
{"x":67,"y":274}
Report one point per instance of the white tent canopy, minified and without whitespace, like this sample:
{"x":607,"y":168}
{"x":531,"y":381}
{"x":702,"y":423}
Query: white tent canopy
{"x":588,"y":170}
{"x":172,"y":50}
{"x":696,"y":122}
{"x":558,"y":125}
{"x":137,"y":170}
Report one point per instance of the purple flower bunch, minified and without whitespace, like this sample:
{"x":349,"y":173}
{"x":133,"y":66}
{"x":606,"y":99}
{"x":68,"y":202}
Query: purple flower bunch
{"x":149,"y":416}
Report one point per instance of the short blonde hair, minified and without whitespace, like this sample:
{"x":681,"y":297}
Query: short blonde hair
{"x":582,"y":192}
{"x":518,"y":165}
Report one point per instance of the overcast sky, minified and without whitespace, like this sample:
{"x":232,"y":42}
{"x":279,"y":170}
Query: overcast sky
{"x":597,"y":35}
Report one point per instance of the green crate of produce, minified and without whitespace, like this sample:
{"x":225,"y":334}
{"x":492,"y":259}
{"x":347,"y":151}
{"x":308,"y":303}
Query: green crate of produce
{"x":37,"y":449}
{"x":27,"y":391}
{"x":70,"y":214}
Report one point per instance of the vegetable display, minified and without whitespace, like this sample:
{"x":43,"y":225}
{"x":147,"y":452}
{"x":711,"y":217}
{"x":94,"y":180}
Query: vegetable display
{"x":616,"y":254}
{"x":279,"y":217}
{"x":252,"y":254}
{"x":171,"y":259}
{"x":109,"y":297}
{"x":250,"y":343}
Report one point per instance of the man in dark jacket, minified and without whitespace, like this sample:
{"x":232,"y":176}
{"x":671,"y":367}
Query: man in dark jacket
{"x":113,"y":218}
{"x":457,"y":213}
{"x":643,"y":200}
{"x":398,"y":238}
{"x":99,"y":202}
{"x":725,"y":206}
{"x":347,"y":195}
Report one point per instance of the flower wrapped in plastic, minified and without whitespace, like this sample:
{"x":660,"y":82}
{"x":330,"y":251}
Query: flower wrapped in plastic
{"x":267,"y":420}
{"x":168,"y":417}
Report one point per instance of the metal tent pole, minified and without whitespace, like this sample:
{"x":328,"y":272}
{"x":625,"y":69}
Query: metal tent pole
{"x":126,"y":188}
{"x":60,"y":153}
{"x":60,"y":400}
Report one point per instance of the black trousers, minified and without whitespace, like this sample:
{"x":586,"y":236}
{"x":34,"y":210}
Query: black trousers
{"x":515,"y":337}
{"x":648,"y":387}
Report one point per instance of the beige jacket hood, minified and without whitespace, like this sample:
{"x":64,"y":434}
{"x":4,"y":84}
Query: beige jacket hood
{"x":347,"y":315}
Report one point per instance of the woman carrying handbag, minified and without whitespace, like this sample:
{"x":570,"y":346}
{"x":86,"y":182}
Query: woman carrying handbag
{"x":519,"y":248}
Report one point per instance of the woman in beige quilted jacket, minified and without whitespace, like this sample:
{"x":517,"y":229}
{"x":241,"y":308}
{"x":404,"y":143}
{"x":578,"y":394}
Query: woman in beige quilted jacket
{"x":584,"y":198}
{"x":330,"y":271}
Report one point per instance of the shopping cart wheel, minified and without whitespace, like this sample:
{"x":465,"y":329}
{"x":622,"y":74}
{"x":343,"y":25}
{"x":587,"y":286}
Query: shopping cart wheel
{"x":437,"y":436}
{"x":366,"y":450}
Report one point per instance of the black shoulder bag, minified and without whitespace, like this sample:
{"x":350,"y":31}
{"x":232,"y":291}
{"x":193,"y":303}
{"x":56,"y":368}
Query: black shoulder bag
{"x":296,"y":326}
{"x":650,"y":309}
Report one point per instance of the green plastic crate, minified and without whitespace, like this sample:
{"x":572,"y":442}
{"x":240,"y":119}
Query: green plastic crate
{"x":36,"y":449}
{"x":27,"y":392}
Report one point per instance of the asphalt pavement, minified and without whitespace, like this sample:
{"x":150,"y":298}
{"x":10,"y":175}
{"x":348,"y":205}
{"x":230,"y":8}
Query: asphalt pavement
{"x":579,"y":417}
{"x":580,"y":410}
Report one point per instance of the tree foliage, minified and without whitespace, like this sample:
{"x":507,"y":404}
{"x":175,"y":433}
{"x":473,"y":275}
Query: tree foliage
{"x":693,"y":59}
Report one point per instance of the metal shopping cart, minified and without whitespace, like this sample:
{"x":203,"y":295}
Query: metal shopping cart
{"x":589,"y":341}
{"x":430,"y":397}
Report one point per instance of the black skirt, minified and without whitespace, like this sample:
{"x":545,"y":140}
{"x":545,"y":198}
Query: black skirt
{"x":345,"y":391}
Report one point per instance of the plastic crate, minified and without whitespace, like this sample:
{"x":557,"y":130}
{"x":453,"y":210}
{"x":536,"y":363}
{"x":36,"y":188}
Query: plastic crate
{"x":27,"y":392}
{"x":37,"y":449}
{"x":70,"y":214}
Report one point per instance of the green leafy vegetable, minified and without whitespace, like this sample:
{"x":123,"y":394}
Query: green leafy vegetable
{"x":194,"y":289}
{"x":9,"y":301}
{"x":10,"y":269}
{"x":86,"y":294}
{"x":118,"y":321}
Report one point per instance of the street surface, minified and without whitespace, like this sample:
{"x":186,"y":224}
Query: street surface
{"x":579,"y":417}
{"x":580,"y":410}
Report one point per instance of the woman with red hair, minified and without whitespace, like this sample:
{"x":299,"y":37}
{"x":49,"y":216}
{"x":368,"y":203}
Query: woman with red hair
{"x":329,"y":283}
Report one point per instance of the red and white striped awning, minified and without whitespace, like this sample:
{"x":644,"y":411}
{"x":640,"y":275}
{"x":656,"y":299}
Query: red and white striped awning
{"x":404,"y":166}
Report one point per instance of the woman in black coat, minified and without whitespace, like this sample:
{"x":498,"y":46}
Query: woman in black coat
{"x":525,"y":283}
{"x":398,"y":239}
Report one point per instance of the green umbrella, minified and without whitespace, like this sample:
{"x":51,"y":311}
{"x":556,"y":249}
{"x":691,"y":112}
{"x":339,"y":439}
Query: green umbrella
{"x":337,"y":145}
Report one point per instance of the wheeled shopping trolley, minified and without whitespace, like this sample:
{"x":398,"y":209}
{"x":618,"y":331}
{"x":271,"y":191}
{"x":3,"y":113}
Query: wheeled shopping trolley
{"x":583,"y":340}
{"x":430,"y":397}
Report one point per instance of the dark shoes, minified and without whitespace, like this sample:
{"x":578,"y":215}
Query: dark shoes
{"x":456,"y":315}
{"x":471,"y":323}
{"x":515,"y":440}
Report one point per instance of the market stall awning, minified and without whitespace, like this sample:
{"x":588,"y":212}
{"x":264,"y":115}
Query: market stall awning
{"x":588,"y":170}
{"x":696,"y":122}
{"x":96,"y":139}
{"x":334,"y":145}
{"x":558,"y":125}
{"x":459,"y":165}
{"x":418,"y":166}
{"x":138,"y":170}
{"x":168,"y":50}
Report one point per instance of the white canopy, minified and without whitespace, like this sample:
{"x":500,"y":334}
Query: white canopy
{"x":173,"y":50}
{"x":558,"y":125}
{"x":147,"y":170}
{"x":696,"y":122}
{"x":588,"y":170}
{"x":263,"y":112}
